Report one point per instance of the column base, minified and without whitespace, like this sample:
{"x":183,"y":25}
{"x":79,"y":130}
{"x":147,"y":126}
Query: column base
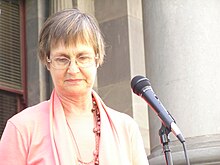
{"x":201,"y":150}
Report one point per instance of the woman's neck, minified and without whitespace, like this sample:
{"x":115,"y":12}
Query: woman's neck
{"x":76,"y":105}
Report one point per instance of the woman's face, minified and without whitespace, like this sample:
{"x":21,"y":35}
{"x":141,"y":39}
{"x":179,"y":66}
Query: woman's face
{"x":73,"y":80}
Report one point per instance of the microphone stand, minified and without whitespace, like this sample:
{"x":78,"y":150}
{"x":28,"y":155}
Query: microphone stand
{"x":164,"y":139}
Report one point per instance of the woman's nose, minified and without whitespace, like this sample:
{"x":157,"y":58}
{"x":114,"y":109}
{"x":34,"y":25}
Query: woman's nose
{"x":73,"y":67}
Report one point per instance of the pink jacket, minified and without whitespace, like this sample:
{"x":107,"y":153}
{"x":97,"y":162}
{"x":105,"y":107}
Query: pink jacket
{"x":39,"y":136}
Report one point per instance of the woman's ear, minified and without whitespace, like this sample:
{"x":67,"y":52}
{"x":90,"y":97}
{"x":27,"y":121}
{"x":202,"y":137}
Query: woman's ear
{"x":47,"y":63}
{"x":47,"y":66}
{"x":97,"y":65}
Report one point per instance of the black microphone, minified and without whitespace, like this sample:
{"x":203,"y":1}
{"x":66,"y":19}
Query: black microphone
{"x":142,"y":87}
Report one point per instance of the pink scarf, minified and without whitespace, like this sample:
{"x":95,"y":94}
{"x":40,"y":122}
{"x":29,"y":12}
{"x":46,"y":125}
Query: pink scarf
{"x":64,"y":154}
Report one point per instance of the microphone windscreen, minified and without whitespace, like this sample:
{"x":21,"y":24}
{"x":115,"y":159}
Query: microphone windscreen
{"x":138,"y":83}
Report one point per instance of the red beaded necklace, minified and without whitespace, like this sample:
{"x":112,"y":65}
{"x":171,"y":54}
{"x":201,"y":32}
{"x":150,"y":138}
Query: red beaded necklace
{"x":97,"y":132}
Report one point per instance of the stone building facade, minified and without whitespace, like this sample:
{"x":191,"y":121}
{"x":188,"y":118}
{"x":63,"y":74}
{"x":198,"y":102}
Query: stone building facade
{"x":176,"y":44}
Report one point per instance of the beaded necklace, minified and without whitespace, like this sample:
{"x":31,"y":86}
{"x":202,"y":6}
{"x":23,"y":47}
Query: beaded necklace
{"x":97,"y":132}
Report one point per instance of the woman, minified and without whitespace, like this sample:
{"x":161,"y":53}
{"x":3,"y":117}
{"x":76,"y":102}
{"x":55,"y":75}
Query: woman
{"x":74,"y":127}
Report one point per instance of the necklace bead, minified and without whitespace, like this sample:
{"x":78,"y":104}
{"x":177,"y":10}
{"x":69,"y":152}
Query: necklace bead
{"x":97,"y":132}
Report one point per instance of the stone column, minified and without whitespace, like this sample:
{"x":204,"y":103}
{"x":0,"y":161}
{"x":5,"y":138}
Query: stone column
{"x":122,"y":28}
{"x":37,"y":75}
{"x":85,"y":6}
{"x":57,"y":5}
{"x":182,"y":50}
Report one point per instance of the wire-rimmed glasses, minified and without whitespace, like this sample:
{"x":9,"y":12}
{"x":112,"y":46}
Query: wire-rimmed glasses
{"x":82,"y":61}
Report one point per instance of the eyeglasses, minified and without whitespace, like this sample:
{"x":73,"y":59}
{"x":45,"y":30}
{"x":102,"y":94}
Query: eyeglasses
{"x":82,"y":61}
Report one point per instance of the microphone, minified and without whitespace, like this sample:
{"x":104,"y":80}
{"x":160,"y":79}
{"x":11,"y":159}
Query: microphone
{"x":142,"y":87}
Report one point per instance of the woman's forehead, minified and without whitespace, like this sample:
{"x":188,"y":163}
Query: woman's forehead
{"x":72,"y":48}
{"x":71,"y":42}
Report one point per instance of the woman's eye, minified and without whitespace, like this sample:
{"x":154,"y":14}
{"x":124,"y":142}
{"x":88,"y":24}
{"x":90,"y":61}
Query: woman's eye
{"x":62,"y":60}
{"x":84,"y":57}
